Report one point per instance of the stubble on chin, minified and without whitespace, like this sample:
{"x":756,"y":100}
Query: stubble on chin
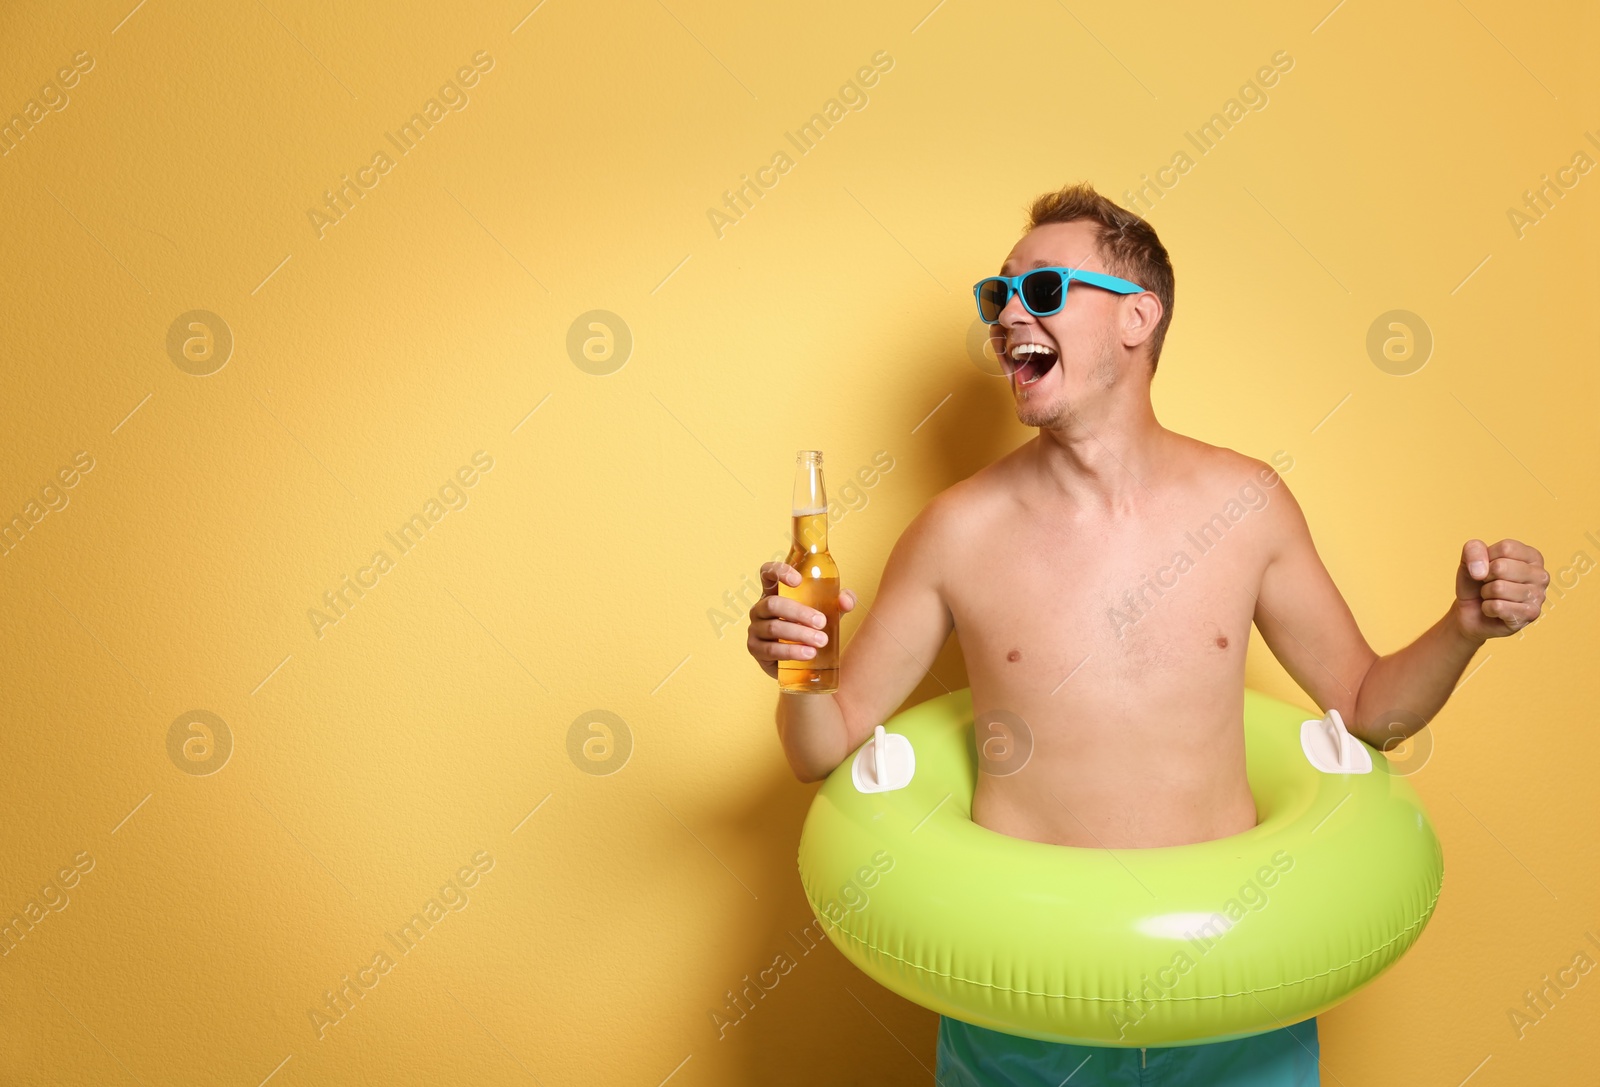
{"x":1043,"y":416}
{"x":1034,"y":413}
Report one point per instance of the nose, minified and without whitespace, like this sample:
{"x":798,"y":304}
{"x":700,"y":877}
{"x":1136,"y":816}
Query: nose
{"x":1012,"y":314}
{"x":1014,"y":303}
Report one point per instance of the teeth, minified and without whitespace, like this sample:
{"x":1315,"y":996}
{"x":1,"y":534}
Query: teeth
{"x":1022,"y":350}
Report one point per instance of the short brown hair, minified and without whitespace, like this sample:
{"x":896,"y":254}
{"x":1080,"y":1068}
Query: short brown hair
{"x":1127,"y":244}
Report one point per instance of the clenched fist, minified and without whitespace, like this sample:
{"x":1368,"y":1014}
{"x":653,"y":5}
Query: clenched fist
{"x":1499,"y":588}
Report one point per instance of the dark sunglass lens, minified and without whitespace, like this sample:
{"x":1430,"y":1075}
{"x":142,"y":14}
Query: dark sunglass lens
{"x":992,"y":299}
{"x":1042,"y":291}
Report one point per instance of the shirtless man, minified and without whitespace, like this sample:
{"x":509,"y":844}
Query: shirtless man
{"x":1103,"y":579}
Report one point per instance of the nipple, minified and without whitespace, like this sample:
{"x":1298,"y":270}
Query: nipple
{"x":1014,"y":655}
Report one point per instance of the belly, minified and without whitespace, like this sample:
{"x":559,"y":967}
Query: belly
{"x":1063,"y":801}
{"x":1120,"y":730}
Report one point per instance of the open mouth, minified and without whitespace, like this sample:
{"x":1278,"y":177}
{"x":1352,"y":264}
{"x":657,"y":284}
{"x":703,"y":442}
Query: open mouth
{"x":1030,"y":362}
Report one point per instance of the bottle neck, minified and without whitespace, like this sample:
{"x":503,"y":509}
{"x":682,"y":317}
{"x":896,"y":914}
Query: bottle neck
{"x":811,"y":532}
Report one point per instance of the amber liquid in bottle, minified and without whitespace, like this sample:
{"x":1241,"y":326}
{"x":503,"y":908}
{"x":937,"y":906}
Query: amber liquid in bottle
{"x":819,"y":581}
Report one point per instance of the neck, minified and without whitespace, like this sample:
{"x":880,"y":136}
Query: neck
{"x":1103,"y":455}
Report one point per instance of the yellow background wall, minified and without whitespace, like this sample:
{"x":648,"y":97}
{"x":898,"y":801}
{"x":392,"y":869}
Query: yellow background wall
{"x":442,"y":718}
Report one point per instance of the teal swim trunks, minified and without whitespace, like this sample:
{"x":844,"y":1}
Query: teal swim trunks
{"x":972,"y":1056}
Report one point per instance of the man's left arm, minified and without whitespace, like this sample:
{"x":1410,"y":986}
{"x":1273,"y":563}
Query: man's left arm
{"x":1308,"y":626}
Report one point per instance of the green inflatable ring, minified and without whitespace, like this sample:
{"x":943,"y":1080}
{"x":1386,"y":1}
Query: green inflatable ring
{"x":1133,"y":947}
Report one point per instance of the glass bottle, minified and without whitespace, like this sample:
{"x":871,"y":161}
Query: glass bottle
{"x":819,"y":580}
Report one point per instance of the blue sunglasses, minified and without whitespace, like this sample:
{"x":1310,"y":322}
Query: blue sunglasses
{"x":1043,"y":290}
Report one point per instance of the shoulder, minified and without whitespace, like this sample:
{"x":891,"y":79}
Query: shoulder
{"x":1242,"y":487}
{"x":954,"y":519}
{"x":1259,"y":487}
{"x":963,"y":509}
{"x":1219,"y":470}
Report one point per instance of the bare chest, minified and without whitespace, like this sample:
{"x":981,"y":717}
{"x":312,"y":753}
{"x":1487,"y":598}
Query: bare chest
{"x":1153,"y":602}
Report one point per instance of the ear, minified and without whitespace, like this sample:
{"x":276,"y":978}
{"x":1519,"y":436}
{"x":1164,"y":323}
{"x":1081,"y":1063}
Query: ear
{"x":1141,"y":313}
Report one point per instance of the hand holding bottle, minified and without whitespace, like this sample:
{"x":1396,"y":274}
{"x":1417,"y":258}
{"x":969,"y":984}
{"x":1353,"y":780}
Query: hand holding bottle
{"x":787,"y":628}
{"x":807,"y":589}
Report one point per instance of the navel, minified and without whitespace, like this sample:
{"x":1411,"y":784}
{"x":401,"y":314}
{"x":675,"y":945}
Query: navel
{"x":1014,"y":655}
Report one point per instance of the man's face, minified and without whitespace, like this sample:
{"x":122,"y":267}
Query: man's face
{"x":1081,"y":336}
